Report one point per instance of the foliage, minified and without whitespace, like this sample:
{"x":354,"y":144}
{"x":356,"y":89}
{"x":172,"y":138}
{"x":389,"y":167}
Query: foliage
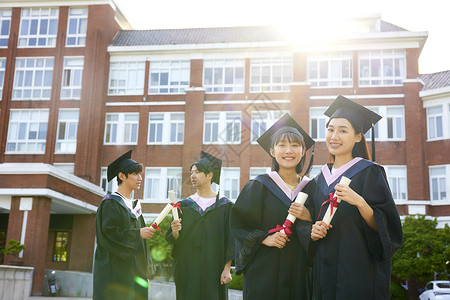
{"x":160,"y":250}
{"x":398,"y":292}
{"x":238,"y":281}
{"x":13,"y":248}
{"x":425,"y":250}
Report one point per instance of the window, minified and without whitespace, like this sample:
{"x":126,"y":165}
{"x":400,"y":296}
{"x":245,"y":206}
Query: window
{"x":257,"y":171}
{"x":166,"y":128}
{"x":263,"y":120}
{"x":27,"y":131}
{"x":222,"y":128}
{"x":2,"y":74}
{"x":159,"y":181}
{"x":5,"y":26}
{"x":33,"y":79}
{"x":318,"y":123}
{"x":38,"y":27}
{"x":71,"y":78}
{"x":315,"y":169}
{"x":229,"y":183}
{"x":438,"y":183}
{"x":169,"y":77}
{"x":61,"y":246}
{"x":121,"y":129}
{"x":395,"y":123}
{"x":110,"y":186}
{"x":76,"y":27}
{"x":66,"y":141}
{"x":223,"y":75}
{"x":434,"y":117}
{"x":270,"y":74}
{"x":368,"y":134}
{"x":331,"y":69}
{"x":126,"y":78}
{"x":382,"y":67}
{"x":397,"y":181}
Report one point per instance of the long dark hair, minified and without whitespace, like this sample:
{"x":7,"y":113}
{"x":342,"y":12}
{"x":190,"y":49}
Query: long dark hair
{"x":291,"y":138}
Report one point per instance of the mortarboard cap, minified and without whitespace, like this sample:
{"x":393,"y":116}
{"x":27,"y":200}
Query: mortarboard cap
{"x":354,"y":112}
{"x":212,"y":164}
{"x":119,"y":165}
{"x":285,"y":124}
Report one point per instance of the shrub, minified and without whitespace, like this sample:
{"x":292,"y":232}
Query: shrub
{"x":160,"y":250}
{"x":238,"y":281}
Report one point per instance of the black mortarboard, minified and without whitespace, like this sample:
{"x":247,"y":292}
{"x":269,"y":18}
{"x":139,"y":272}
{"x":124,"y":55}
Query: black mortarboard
{"x":356,"y":114}
{"x":285,"y":124}
{"x":211,"y":164}
{"x":119,"y":165}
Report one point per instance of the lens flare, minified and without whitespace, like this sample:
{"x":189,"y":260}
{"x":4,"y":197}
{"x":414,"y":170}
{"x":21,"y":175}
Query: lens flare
{"x":158,"y":254}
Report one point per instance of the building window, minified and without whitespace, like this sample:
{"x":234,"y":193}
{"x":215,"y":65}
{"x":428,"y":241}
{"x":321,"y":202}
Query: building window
{"x":222,"y":128}
{"x":270,"y":74}
{"x":395,"y":123}
{"x":229,"y":183}
{"x":331,"y":69}
{"x":2,"y":74}
{"x":169,"y":77}
{"x":368,"y":134}
{"x":61,"y":246}
{"x":159,"y":181}
{"x":33,"y":79}
{"x":166,"y":128}
{"x":224,"y":75}
{"x":76,"y":27}
{"x":317,"y":123}
{"x":126,"y":78}
{"x":121,"y":129}
{"x":66,"y":141}
{"x":435,"y":128}
{"x":397,"y":181}
{"x":27,"y":131}
{"x":315,"y":169}
{"x":5,"y":26}
{"x":110,"y":186}
{"x":438,"y":183}
{"x":38,"y":27}
{"x":71,"y":78}
{"x":254,"y":171}
{"x":382,"y":67}
{"x":262,"y":120}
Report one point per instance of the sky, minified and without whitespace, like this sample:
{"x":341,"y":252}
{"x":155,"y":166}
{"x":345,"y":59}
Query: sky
{"x":322,"y":15}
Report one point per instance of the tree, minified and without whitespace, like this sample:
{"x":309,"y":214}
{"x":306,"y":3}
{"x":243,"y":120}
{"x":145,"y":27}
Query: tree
{"x":13,"y":248}
{"x":160,"y":250}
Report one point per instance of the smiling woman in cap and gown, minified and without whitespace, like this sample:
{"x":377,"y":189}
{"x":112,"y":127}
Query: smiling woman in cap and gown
{"x":122,"y":263}
{"x":203,"y":246}
{"x":352,"y":257}
{"x":274,"y":265}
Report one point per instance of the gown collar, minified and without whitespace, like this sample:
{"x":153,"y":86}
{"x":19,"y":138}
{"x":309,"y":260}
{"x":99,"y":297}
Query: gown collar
{"x":330,"y":178}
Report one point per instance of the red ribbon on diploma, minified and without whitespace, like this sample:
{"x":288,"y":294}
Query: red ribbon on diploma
{"x":286,"y":226}
{"x":154,"y":225}
{"x":177,"y":205}
{"x":333,"y":202}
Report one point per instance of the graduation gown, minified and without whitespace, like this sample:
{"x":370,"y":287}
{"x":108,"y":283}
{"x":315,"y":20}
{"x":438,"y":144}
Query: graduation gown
{"x":353,"y":261}
{"x":201,"y":250}
{"x":122,"y":262}
{"x":269,"y":272}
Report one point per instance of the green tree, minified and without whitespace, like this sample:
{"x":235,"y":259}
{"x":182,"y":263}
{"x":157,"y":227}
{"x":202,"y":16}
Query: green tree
{"x":160,"y":250}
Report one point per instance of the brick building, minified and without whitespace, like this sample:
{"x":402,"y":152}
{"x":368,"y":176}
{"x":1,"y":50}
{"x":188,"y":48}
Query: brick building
{"x":79,"y":88}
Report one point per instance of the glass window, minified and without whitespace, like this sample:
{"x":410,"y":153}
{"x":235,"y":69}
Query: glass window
{"x":66,"y":139}
{"x":110,"y":186}
{"x":2,"y":74}
{"x":330,"y":69}
{"x":61,"y":246}
{"x":33,"y":79}
{"x":166,"y":128}
{"x":263,"y":120}
{"x":159,"y":181}
{"x":27,"y":131}
{"x":77,"y":27}
{"x":317,"y":124}
{"x":121,"y":128}
{"x":395,"y":123}
{"x":126,"y":78}
{"x":223,"y":76}
{"x":270,"y":74}
{"x":5,"y":26}
{"x":222,"y":128}
{"x":315,"y":169}
{"x":229,"y":183}
{"x":71,"y":78}
{"x":382,"y":67}
{"x":435,"y":127}
{"x":438,"y":183}
{"x":38,"y":27}
{"x":254,"y":171}
{"x":368,"y":134}
{"x":397,"y":181}
{"x":169,"y":77}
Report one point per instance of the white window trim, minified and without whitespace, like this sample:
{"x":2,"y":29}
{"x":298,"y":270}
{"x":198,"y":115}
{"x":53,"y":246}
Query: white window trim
{"x":166,"y":128}
{"x":286,"y":62}
{"x":27,"y":37}
{"x":274,"y":116}
{"x":72,"y":87}
{"x":104,"y":176}
{"x":393,"y":55}
{"x":128,"y":89}
{"x":224,"y":177}
{"x":447,"y":184}
{"x":121,"y":129}
{"x":214,"y":63}
{"x":68,"y":140}
{"x":7,"y":17}
{"x":222,"y":131}
{"x":2,"y":70}
{"x":317,"y":57}
{"x":163,"y":183}
{"x":170,"y":69}
{"x":390,"y":167}
{"x":32,"y":87}
{"x":264,"y":169}
{"x":318,"y":118}
{"x":444,"y":102}
{"x":77,"y":35}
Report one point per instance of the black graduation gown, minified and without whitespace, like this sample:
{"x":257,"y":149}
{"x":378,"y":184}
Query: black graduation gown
{"x":122,"y":262}
{"x":353,"y":261}
{"x":269,"y":273}
{"x":201,"y":250}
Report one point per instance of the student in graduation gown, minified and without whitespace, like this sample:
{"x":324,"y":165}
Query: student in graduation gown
{"x":353,"y":255}
{"x":122,"y":263}
{"x":203,"y":247}
{"x":274,"y":265}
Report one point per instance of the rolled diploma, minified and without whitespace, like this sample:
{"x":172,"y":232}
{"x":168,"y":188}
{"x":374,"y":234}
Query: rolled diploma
{"x":163,"y":214}
{"x":301,"y":198}
{"x":174,"y":209}
{"x":327,"y":217}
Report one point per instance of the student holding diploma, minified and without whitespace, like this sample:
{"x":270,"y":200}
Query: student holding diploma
{"x":203,"y":246}
{"x":270,"y":256}
{"x":352,"y":256}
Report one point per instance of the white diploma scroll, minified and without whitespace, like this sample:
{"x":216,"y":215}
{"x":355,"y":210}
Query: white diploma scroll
{"x":301,"y":198}
{"x":329,"y":216}
{"x":163,"y":214}
{"x":174,"y":208}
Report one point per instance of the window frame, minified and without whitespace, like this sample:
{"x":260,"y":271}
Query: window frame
{"x":256,"y":128}
{"x":166,"y":127}
{"x":21,"y":76}
{"x":29,"y":15}
{"x":5,"y":17}
{"x":330,"y":58}
{"x":285,"y":63}
{"x":439,"y":177}
{"x":230,"y":176}
{"x":170,"y":67}
{"x":120,"y":130}
{"x":71,"y":87}
{"x":80,"y":36}
{"x":222,"y":66}
{"x":391,"y":177}
{"x":383,"y":56}
{"x":222,"y":127}
{"x":163,"y":188}
{"x":67,"y":131}
{"x":124,"y":86}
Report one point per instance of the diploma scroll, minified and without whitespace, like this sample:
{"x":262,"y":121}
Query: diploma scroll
{"x":332,"y":208}
{"x":286,"y":227}
{"x":174,"y":207}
